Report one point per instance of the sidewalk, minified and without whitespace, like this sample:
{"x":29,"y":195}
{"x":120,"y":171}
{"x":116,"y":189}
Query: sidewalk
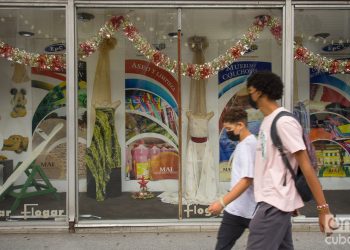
{"x":148,"y":241}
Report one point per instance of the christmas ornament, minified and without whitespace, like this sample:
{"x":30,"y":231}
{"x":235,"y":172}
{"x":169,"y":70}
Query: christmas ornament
{"x":143,"y":193}
{"x":320,"y":63}
{"x":195,"y":71}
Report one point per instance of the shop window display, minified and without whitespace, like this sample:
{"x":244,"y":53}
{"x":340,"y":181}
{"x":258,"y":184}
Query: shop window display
{"x":142,"y":74}
{"x":143,"y":156}
{"x":222,"y":86}
{"x":140,"y":139}
{"x":322,"y":86}
{"x":33,"y":116}
{"x":134,"y":117}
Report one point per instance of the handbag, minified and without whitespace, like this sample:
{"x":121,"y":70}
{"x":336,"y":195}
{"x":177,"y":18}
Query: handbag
{"x":299,"y":179}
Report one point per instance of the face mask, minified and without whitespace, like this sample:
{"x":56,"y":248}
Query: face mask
{"x":252,"y":102}
{"x":232,"y":136}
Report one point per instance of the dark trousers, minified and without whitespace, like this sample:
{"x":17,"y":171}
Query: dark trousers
{"x":270,"y":229}
{"x":231,"y":228}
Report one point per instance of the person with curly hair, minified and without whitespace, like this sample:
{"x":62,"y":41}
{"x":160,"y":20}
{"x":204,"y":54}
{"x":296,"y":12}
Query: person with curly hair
{"x":271,"y":228}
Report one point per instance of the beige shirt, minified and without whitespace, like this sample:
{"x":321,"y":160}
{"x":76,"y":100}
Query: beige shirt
{"x":269,"y":167}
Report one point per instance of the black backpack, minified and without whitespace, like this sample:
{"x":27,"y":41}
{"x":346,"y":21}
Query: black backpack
{"x":299,"y":179}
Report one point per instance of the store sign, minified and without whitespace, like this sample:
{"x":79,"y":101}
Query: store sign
{"x":145,"y":68}
{"x":196,"y":211}
{"x":336,"y":47}
{"x":242,"y":68}
{"x":30,"y":212}
{"x":56,"y":47}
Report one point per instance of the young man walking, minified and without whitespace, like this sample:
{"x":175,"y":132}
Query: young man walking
{"x":239,"y":203}
{"x":270,"y":228}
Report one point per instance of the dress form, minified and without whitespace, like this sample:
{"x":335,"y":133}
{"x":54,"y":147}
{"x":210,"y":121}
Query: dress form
{"x":200,"y":174}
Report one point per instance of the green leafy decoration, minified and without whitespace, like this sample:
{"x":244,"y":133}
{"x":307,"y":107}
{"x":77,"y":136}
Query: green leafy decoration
{"x":104,"y":153}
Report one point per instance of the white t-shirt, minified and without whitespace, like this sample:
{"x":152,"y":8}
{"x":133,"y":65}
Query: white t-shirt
{"x":243,"y":166}
{"x":270,"y":168}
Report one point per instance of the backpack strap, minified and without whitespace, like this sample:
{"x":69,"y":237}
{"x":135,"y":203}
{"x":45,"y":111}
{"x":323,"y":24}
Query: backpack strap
{"x":276,"y":140}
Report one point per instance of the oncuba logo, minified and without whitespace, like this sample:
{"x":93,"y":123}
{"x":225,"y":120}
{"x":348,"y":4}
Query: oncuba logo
{"x":336,"y":47}
{"x":56,"y":47}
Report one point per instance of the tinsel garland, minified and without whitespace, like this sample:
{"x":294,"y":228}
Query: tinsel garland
{"x":196,"y":71}
{"x":206,"y":70}
{"x":42,"y":61}
{"x":319,"y":62}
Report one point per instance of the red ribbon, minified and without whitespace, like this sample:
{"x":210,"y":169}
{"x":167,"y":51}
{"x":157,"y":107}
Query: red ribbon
{"x":199,"y":139}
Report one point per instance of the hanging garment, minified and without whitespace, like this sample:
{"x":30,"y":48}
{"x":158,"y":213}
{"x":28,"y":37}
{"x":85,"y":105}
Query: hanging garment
{"x":104,"y":152}
{"x":101,"y":89}
{"x":200,"y":175}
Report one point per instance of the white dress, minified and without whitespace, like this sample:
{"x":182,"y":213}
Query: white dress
{"x":200,"y":176}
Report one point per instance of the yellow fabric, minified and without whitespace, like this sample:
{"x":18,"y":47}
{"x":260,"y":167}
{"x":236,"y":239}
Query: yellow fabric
{"x":197,"y":104}
{"x":20,"y":73}
{"x":102,"y":83}
{"x":101,"y":92}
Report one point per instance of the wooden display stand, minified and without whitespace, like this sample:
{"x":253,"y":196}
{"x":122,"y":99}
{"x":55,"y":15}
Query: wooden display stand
{"x":40,"y":188}
{"x":31,"y":170}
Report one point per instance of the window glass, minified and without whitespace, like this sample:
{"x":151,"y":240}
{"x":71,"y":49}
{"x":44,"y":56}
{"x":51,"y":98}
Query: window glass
{"x":130,"y":128}
{"x":220,"y":49}
{"x":322,"y":96}
{"x":129,"y":125}
{"x":33,"y":142}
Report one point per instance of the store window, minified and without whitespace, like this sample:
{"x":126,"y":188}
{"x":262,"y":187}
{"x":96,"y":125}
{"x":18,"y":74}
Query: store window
{"x":33,"y":138}
{"x":322,"y":97}
{"x":227,"y":45}
{"x":128,"y":129}
{"x":129,"y":132}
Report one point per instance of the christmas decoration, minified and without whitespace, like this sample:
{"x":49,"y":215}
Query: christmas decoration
{"x":320,"y":63}
{"x":206,"y":70}
{"x":143,"y":193}
{"x":42,"y":61}
{"x":195,"y":71}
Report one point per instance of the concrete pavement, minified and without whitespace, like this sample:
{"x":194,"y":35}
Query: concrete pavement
{"x":154,"y":240}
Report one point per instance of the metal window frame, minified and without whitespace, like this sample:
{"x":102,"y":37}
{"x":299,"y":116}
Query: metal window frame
{"x":288,"y":7}
{"x":323,"y":7}
{"x":341,"y":5}
{"x":45,"y":225}
{"x":72,"y":90}
{"x":33,"y":3}
{"x":287,"y":60}
{"x":175,"y":4}
{"x":185,"y":5}
{"x":72,"y":202}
